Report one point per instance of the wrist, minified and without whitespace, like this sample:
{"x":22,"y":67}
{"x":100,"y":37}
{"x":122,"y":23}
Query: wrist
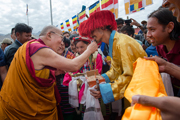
{"x":167,"y":67}
{"x":89,"y":52}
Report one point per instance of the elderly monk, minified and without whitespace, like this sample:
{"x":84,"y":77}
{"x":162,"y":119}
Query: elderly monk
{"x":29,"y":91}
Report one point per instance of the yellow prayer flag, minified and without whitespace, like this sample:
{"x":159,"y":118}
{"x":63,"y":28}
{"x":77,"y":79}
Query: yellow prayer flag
{"x":148,"y":2}
{"x":127,"y":7}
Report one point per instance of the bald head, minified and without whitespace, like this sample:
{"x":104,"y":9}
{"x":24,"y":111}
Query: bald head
{"x":52,"y":37}
{"x":48,"y":29}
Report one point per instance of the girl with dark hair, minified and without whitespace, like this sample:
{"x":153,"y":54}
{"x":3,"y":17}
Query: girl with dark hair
{"x":81,"y":44}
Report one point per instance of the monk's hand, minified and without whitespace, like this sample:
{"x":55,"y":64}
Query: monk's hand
{"x":92,"y":47}
{"x":169,"y":106}
{"x":96,"y":94}
{"x":161,"y":62}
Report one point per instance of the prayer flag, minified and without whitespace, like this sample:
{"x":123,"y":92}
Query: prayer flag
{"x":74,"y":21}
{"x":98,"y":6}
{"x":132,"y":6}
{"x":62,"y":26}
{"x":107,"y":5}
{"x":93,"y":8}
{"x":68,"y":25}
{"x":82,"y":16}
{"x":69,"y":29}
{"x":116,"y":8}
{"x":136,"y":6}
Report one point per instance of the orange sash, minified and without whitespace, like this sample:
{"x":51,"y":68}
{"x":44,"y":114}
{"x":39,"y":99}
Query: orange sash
{"x":146,"y":80}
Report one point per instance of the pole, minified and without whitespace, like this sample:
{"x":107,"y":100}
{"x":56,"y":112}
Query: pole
{"x":27,"y":20}
{"x":27,"y":14}
{"x":51,"y":13}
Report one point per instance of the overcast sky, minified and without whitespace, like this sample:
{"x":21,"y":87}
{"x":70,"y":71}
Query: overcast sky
{"x":14,"y":11}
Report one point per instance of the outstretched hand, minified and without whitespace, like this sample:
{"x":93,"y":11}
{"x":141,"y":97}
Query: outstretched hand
{"x":134,"y":22}
{"x":169,"y":106}
{"x":92,"y":47}
{"x":161,"y":62}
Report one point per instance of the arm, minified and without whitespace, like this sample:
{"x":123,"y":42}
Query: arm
{"x":112,"y":74}
{"x":120,"y":74}
{"x":173,"y":70}
{"x":122,"y":63}
{"x":169,"y":106}
{"x":47,"y":57}
{"x":134,"y":22}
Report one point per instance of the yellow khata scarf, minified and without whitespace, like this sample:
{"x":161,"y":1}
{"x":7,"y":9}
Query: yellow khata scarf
{"x":146,"y":80}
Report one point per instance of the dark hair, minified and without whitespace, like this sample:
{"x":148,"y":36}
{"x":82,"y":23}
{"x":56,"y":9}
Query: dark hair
{"x":12,"y":30}
{"x":164,"y":16}
{"x":145,"y":31}
{"x":72,"y":36}
{"x":109,"y":28}
{"x":66,"y":32}
{"x":119,"y":21}
{"x":21,"y":27}
{"x":66,"y":42}
{"x":75,"y":42}
{"x":129,"y":30}
{"x":143,"y":22}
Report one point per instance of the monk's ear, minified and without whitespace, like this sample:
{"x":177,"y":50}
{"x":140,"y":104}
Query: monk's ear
{"x":48,"y":35}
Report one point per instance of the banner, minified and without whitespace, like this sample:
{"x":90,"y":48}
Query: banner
{"x":116,"y":8}
{"x":62,"y":26}
{"x":68,"y":25}
{"x":132,"y":6}
{"x":74,"y":21}
{"x":111,"y":5}
{"x":107,"y":5}
{"x":82,"y":16}
{"x":94,"y":7}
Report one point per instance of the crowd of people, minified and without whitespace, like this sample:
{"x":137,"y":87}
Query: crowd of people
{"x":35,"y":72}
